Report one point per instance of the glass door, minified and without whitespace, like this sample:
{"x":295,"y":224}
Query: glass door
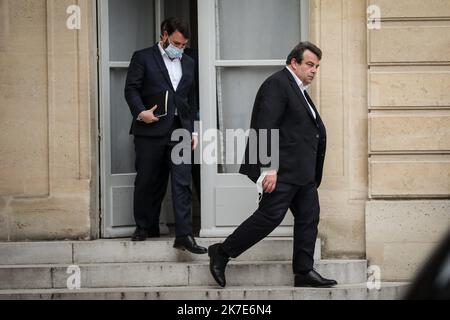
{"x":124,"y":27}
{"x":241,"y":43}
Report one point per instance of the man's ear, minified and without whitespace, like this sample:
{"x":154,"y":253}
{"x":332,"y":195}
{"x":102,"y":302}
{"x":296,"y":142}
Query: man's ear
{"x":294,"y":64}
{"x":164,"y":36}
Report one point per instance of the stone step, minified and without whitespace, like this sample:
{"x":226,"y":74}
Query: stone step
{"x":116,"y":275}
{"x":125,"y":251}
{"x":387,"y":291}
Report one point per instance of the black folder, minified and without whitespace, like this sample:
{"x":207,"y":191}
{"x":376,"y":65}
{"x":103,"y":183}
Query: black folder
{"x":159,"y":100}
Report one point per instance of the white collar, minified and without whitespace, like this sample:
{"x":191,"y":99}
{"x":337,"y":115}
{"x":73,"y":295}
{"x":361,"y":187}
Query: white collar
{"x":297,"y":80}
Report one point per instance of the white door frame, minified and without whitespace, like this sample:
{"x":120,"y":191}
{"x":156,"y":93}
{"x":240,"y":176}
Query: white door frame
{"x":107,"y":179}
{"x":212,"y":181}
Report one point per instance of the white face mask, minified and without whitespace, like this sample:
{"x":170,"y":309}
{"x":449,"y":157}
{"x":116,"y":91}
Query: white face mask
{"x":174,"y":52}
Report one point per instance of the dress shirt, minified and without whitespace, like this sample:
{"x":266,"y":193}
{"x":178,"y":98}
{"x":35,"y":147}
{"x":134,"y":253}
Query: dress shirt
{"x":173,"y":67}
{"x":303,"y":88}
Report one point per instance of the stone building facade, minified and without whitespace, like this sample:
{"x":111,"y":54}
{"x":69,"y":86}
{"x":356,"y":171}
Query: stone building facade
{"x":382,"y":92}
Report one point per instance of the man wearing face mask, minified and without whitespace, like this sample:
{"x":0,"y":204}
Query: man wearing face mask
{"x":163,"y":67}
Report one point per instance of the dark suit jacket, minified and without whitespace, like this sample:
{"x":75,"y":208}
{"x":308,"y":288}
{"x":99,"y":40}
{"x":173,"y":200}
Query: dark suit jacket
{"x":193,"y":53}
{"x":148,"y":75}
{"x":279,"y":104}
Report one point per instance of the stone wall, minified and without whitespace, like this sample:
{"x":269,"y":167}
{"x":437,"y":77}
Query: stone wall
{"x":47,"y":106}
{"x":339,"y":29}
{"x":384,"y":97}
{"x":408,"y":210}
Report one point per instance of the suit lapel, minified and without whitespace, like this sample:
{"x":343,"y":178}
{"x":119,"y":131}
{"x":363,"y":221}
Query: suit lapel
{"x":312,"y":105}
{"x":301,"y":96}
{"x":162,"y":65}
{"x":185,"y":70}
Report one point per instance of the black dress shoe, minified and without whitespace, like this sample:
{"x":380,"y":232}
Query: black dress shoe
{"x":188,"y":243}
{"x":313,"y":279}
{"x":217,"y":264}
{"x":140,"y":234}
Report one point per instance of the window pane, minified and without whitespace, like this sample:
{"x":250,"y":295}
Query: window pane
{"x":237,"y":88}
{"x":122,"y":146}
{"x":131,"y":27}
{"x":257,"y":29}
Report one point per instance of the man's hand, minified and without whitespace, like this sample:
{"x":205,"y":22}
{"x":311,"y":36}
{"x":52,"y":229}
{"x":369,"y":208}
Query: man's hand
{"x":148,"y":116}
{"x":270,"y":182}
{"x":194,"y":142}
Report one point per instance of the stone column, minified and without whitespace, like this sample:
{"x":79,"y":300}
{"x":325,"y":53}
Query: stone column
{"x":48,"y":106}
{"x":339,"y":29}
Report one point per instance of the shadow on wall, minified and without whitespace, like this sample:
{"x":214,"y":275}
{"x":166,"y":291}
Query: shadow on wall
{"x":433,"y":281}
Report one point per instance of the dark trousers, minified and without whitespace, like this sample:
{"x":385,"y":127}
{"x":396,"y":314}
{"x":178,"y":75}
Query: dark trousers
{"x":153,"y":163}
{"x":304,"y":204}
{"x":196,"y":179}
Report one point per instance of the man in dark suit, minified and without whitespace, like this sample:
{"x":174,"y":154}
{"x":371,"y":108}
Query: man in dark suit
{"x":283,"y":104}
{"x":163,"y":67}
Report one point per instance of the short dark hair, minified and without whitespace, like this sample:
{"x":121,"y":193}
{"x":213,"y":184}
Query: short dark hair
{"x":173,"y":24}
{"x":298,"y":52}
